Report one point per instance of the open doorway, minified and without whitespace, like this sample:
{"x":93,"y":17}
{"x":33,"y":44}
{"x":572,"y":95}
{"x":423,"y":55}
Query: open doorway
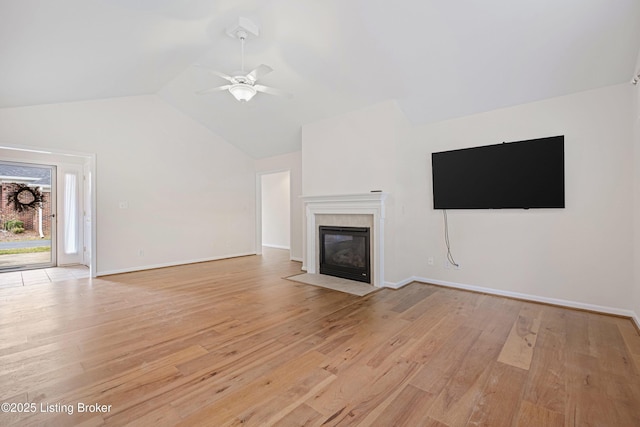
{"x":275,"y":210}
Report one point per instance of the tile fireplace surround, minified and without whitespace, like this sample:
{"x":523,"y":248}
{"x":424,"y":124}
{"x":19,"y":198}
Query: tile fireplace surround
{"x":353,"y":210}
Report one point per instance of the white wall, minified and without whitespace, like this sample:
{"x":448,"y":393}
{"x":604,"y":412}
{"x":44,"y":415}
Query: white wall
{"x":351,"y":153}
{"x":579,"y":254}
{"x":291,"y":162}
{"x":276,"y":221}
{"x":190,"y":194}
{"x":582,"y":253}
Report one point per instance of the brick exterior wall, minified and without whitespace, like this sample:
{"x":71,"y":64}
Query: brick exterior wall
{"x":30,"y":217}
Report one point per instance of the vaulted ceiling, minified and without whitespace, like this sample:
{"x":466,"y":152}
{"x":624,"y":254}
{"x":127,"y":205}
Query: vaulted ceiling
{"x":439,"y":59}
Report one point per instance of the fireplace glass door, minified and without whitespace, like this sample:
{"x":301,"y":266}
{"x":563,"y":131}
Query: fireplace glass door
{"x":345,"y":252}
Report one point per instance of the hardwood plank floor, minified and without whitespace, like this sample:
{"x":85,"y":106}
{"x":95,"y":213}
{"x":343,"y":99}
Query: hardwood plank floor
{"x":231,"y":342}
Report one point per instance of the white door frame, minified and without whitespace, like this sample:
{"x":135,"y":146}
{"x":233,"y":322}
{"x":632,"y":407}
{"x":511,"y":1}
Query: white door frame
{"x":31,"y":154}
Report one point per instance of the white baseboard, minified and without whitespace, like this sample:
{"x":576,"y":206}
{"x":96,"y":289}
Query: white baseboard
{"x":398,"y":285}
{"x":517,"y":295}
{"x":275,"y":246}
{"x":170,"y":264}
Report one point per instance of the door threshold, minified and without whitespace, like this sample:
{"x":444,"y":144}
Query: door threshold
{"x":44,"y":275}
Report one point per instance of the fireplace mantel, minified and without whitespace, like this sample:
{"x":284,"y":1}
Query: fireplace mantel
{"x":347,"y":204}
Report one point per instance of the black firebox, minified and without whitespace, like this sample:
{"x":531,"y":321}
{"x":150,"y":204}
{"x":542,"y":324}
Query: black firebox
{"x":344,"y":252}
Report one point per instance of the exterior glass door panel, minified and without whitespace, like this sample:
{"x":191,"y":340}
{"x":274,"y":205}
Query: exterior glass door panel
{"x":27,"y":216}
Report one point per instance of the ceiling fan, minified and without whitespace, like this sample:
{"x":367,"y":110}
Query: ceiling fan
{"x":242,"y":85}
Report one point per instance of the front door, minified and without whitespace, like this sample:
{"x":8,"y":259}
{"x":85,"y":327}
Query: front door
{"x":27,"y":216}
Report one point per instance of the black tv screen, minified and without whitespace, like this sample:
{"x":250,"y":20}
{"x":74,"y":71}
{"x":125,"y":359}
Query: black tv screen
{"x":523,"y":174}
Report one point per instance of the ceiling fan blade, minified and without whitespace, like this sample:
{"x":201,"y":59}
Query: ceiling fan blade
{"x":217,"y":73}
{"x":213,"y":89}
{"x":258,"y":72}
{"x":272,"y":91}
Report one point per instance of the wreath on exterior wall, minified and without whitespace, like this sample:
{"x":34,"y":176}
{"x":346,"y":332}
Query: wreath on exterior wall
{"x":24,"y":198}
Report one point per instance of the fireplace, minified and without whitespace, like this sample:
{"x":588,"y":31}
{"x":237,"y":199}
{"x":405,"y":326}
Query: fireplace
{"x":345,"y":252}
{"x":366,"y":210}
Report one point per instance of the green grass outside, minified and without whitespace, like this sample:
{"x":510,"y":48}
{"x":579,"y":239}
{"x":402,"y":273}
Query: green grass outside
{"x":25,"y":250}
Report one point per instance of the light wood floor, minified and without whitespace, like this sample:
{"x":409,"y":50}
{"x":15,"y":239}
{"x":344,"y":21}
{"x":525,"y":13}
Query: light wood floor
{"x":231,"y":342}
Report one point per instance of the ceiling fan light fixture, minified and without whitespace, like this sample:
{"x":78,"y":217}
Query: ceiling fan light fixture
{"x":242,"y":92}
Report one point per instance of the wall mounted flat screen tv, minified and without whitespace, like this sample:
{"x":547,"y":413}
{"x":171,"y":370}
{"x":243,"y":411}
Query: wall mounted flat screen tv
{"x":523,"y":174}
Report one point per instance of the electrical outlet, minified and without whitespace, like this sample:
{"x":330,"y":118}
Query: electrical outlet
{"x":140,"y":252}
{"x":430,"y":260}
{"x":447,"y":264}
{"x":458,"y":267}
